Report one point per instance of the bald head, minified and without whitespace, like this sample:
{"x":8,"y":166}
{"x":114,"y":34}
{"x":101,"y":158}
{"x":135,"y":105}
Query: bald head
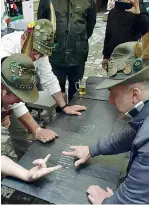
{"x":125,"y":97}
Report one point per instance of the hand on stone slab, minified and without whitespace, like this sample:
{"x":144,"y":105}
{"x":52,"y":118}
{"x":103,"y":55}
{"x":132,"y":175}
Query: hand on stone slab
{"x":40,"y":169}
{"x":74,"y":109}
{"x":80,"y":152}
{"x":45,"y":135}
{"x":97,"y":195}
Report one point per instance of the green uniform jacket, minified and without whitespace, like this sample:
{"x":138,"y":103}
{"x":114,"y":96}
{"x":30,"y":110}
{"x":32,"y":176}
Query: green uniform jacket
{"x":75,"y":23}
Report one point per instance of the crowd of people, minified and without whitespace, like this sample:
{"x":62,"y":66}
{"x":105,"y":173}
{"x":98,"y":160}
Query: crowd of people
{"x":55,"y":48}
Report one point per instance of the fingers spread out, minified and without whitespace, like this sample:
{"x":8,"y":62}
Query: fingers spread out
{"x":80,"y":107}
{"x":76,"y":113}
{"x":91,"y":199}
{"x":79,"y":162}
{"x":39,"y":162}
{"x":68,"y":153}
{"x":52,"y":169}
{"x":73,"y":147}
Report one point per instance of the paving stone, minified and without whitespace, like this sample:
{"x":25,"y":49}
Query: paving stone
{"x":7,"y":192}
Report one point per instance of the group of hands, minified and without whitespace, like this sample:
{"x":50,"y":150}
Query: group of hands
{"x":135,"y":10}
{"x":96,"y":194}
{"x":82,"y":153}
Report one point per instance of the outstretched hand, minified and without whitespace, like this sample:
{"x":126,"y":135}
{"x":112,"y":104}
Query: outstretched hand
{"x":41,"y":169}
{"x":80,"y":152}
{"x":74,"y":109}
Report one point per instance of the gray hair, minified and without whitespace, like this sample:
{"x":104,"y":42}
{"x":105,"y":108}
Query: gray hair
{"x":143,"y":87}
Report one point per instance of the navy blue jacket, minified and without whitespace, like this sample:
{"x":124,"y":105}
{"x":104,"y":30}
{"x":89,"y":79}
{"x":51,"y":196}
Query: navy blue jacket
{"x":135,"y":188}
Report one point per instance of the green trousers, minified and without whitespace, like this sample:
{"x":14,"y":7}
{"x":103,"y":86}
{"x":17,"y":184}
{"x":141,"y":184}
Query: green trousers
{"x":19,"y":136}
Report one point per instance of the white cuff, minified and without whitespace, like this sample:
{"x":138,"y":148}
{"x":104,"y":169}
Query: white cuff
{"x":19,"y":109}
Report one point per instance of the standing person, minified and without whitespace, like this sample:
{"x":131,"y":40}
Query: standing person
{"x":124,"y":26}
{"x":75,"y":21}
{"x":130,"y":94}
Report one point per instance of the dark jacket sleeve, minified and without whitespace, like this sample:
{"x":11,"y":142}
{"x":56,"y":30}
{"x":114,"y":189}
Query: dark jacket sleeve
{"x":135,"y":188}
{"x":91,"y":19}
{"x":114,"y":144}
{"x":44,"y":9}
{"x":141,"y":24}
{"x":106,"y":52}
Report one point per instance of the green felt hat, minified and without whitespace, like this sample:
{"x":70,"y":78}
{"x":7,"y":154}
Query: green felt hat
{"x":125,"y":67}
{"x":41,"y":35}
{"x":18,"y":75}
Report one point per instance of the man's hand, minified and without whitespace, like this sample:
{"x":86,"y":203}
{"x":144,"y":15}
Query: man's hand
{"x":41,"y":169}
{"x":6,"y":121}
{"x":105,"y":64}
{"x":45,"y":135}
{"x":135,"y":8}
{"x":96,"y":195}
{"x":81,"y":152}
{"x":74,"y":110}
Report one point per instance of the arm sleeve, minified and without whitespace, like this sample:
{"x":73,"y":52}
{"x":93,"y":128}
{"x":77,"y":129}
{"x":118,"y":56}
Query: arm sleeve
{"x":7,"y":47}
{"x":114,"y":144}
{"x":106,"y":50}
{"x":19,"y":109}
{"x":47,"y":78}
{"x":135,"y":188}
{"x":141,"y":24}
{"x":91,"y":19}
{"x":44,"y":9}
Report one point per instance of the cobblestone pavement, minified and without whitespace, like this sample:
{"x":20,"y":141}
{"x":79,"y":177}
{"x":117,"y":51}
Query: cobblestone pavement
{"x":93,"y":64}
{"x":93,"y":68}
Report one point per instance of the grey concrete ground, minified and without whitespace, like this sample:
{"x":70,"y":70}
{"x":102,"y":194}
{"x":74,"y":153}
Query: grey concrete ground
{"x":93,"y":68}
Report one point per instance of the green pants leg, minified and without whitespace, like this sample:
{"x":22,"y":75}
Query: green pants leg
{"x":18,"y":136}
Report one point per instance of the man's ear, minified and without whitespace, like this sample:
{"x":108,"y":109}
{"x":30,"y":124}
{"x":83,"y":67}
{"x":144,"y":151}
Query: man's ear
{"x":136,"y":94}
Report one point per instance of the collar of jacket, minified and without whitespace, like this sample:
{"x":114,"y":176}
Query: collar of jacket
{"x":138,"y":120}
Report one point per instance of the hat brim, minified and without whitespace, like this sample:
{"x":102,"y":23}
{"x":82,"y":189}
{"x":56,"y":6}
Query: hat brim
{"x":29,"y":96}
{"x":142,"y":75}
{"x":107,"y":83}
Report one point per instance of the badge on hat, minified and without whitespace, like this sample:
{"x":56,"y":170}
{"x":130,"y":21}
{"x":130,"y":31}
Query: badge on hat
{"x":141,"y":52}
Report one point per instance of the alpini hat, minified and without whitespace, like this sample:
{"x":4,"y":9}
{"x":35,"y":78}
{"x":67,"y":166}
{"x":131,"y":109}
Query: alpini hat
{"x":18,"y":75}
{"x":129,"y":63}
{"x":41,"y":35}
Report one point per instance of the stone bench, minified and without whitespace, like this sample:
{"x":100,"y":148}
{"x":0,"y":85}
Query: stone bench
{"x":45,"y":102}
